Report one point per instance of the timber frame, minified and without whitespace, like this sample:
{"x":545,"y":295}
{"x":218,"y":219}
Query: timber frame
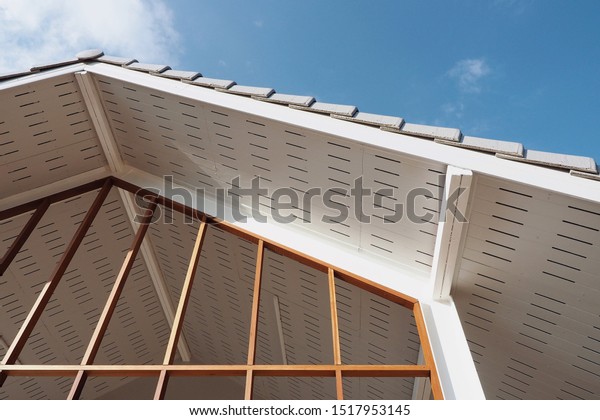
{"x":86,"y":368}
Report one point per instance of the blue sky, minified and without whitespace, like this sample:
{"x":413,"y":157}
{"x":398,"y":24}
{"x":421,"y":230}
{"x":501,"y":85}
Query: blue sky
{"x":520,"y":70}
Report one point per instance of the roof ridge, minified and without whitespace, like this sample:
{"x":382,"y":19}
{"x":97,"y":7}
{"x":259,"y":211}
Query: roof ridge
{"x":579,"y":166}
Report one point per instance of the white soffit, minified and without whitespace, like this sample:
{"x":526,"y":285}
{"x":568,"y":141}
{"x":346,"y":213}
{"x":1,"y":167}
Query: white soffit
{"x":207,"y":146}
{"x":45,"y":135}
{"x":456,"y":156}
{"x":528,"y":292}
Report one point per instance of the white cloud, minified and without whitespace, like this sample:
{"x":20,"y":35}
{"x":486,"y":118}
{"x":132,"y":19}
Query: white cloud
{"x":455,"y":110}
{"x":41,"y":31}
{"x":258,"y":23}
{"x":468,"y":73}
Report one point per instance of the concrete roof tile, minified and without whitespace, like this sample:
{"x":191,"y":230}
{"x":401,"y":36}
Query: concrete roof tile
{"x":180,"y":75}
{"x":556,"y":160}
{"x":13,"y":75}
{"x":49,"y":66}
{"x":282,"y":98}
{"x":118,"y":61}
{"x":373,"y":119}
{"x":148,"y":68}
{"x":433,"y":132}
{"x":486,"y":145}
{"x":586,"y":174}
{"x":89,"y":55}
{"x":261,"y":92}
{"x":326,"y":108}
{"x":213,"y":83}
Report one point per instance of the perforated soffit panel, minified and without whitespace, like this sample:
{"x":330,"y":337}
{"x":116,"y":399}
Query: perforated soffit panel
{"x":528,"y":293}
{"x":45,"y":135}
{"x":207,"y":147}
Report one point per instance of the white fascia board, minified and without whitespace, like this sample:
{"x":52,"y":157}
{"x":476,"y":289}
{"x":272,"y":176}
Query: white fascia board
{"x":455,"y":366}
{"x":42,"y":75}
{"x":370,"y":267}
{"x":451,"y":229}
{"x":421,"y":386}
{"x":537,"y":176}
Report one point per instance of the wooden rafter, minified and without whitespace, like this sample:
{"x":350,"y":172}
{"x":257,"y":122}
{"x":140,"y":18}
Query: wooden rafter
{"x":167,"y":369}
{"x":111,"y":303}
{"x":335,"y":333}
{"x":20,"y":240}
{"x":46,"y":293}
{"x":186,"y":292}
{"x":254,"y":320}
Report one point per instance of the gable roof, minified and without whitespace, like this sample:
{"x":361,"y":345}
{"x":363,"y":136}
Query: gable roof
{"x":579,"y":166}
{"x":529,"y":249}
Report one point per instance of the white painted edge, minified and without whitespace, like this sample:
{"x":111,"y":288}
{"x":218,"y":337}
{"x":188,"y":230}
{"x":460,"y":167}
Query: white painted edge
{"x":536,"y":176}
{"x":455,"y":366}
{"x":447,"y":249}
{"x":421,"y":386}
{"x":41,"y":75}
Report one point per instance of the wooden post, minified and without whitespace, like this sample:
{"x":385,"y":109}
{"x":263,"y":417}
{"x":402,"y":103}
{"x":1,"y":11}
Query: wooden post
{"x":254,"y":320}
{"x":186,"y":292}
{"x":335,"y":333}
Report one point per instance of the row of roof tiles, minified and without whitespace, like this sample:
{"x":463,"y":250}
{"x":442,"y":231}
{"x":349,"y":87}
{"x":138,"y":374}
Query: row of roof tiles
{"x":577,"y":165}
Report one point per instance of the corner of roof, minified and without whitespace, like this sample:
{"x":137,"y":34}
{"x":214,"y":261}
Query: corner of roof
{"x":578,"y":166}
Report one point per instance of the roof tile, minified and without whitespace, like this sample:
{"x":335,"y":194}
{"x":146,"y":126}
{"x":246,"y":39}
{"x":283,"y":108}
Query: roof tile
{"x":148,"y":68}
{"x":118,"y":61}
{"x":179,"y":74}
{"x":213,"y":83}
{"x":433,"y":132}
{"x":89,"y":55}
{"x":282,"y":98}
{"x":6,"y":76}
{"x":556,"y":160}
{"x":49,"y":66}
{"x":586,"y":175}
{"x":261,"y":92}
{"x":373,"y":119}
{"x":325,"y":108}
{"x":486,"y":145}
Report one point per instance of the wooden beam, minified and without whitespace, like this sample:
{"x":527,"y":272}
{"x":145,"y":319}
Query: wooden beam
{"x":186,"y":292}
{"x":361,"y":282}
{"x":111,"y":303}
{"x":60,"y":196}
{"x":436,"y":386}
{"x":397,"y":371}
{"x":46,"y":293}
{"x":335,"y":334}
{"x":254,"y":319}
{"x":156,"y":274}
{"x":339,"y":385}
{"x":18,"y":243}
